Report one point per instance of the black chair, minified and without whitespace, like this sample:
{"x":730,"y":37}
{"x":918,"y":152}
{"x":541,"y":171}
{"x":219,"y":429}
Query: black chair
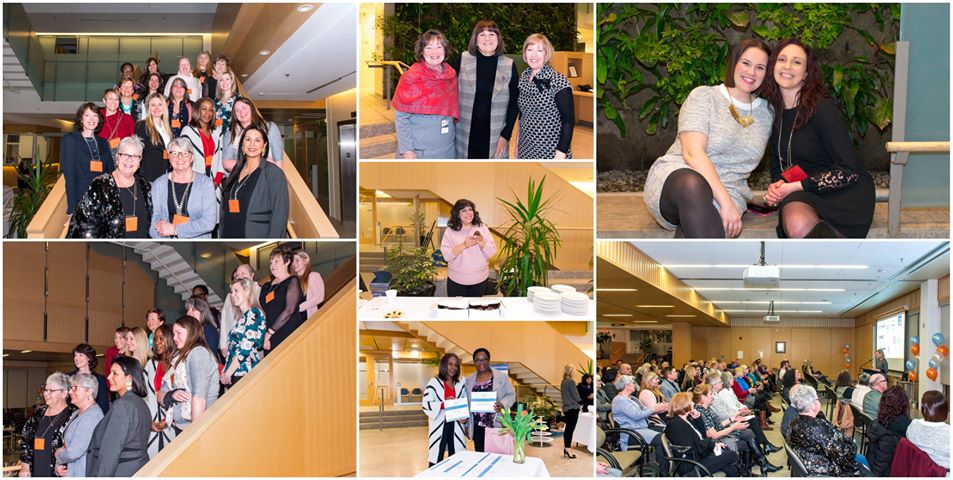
{"x":797,"y":466}
{"x":630,"y":462}
{"x":670,"y":468}
{"x":862,"y":426}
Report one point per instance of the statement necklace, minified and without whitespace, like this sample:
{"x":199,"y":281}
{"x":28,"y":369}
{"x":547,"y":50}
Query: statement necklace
{"x":746,"y":120}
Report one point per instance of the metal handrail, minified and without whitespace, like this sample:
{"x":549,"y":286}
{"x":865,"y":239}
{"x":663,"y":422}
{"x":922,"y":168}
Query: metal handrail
{"x":166,"y":267}
{"x":398,"y":65}
{"x":380,"y":409}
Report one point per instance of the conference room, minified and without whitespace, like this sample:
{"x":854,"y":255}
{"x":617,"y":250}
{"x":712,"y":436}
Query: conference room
{"x":794,"y":359}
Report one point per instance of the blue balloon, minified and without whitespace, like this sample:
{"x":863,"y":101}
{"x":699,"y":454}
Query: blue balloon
{"x":933,"y":363}
{"x":911,"y":365}
{"x":938,"y":339}
{"x":914,"y":340}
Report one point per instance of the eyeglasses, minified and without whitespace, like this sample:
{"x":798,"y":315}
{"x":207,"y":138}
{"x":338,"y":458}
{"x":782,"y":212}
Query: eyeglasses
{"x":73,"y":388}
{"x":180,"y":154}
{"x":51,"y":390}
{"x":131,"y":157}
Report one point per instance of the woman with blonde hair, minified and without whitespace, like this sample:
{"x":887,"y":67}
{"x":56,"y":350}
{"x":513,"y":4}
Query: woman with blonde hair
{"x":203,"y":72}
{"x":546,"y":105}
{"x":246,"y":339}
{"x":156,"y":133}
{"x":571,"y":404}
{"x":226,"y":90}
{"x":650,"y":394}
{"x":137,"y":345}
{"x":311,"y":282}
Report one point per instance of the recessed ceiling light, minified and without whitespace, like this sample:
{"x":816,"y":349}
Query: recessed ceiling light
{"x":776,"y":311}
{"x":100,"y":354}
{"x":5,"y":355}
{"x":244,"y":75}
{"x":26,"y":351}
{"x":617,"y":290}
{"x":766,"y":302}
{"x":680,"y":316}
{"x":644,"y":321}
{"x":792,"y":266}
{"x":616,"y":314}
{"x":264,"y":52}
{"x":655,"y":306}
{"x":206,"y":255}
{"x":307,"y":7}
{"x":778,"y":289}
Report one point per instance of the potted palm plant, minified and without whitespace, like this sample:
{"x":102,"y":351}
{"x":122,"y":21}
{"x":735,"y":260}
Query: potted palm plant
{"x":412,"y":270}
{"x":529,"y":243}
{"x":33,"y":180}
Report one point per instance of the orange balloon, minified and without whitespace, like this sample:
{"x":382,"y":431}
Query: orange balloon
{"x":846,"y":365}
{"x":943,"y":350}
{"x":915,"y":349}
{"x":931,"y":373}
{"x":912,"y":376}
{"x":844,"y":351}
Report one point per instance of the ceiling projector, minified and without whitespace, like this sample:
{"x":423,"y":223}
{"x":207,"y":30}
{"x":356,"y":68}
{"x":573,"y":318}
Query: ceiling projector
{"x":762,"y":276}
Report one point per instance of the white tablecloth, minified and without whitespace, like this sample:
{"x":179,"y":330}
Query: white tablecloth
{"x":476,"y":464}
{"x":425,"y":308}
{"x":585,"y":432}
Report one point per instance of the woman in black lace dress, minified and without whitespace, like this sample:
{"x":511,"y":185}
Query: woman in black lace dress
{"x":280,"y":299}
{"x":819,"y":183}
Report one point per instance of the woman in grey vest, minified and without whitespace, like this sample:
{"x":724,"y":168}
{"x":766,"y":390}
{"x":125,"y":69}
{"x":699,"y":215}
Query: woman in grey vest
{"x":488,"y":85}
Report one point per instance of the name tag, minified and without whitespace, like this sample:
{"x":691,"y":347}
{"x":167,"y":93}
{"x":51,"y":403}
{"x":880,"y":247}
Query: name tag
{"x":39,"y":444}
{"x":269,"y":297}
{"x":135,"y":96}
{"x":165,"y":154}
{"x":179,"y":219}
{"x":444,"y":127}
{"x":176,"y":123}
{"x":95,"y":166}
{"x":189,"y":91}
{"x":233,"y":206}
{"x":218,"y":123}
{"x":132,"y":223}
{"x":114,"y":143}
{"x":208,"y":160}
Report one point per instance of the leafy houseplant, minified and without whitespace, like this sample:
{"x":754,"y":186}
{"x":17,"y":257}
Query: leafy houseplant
{"x":544,"y":407}
{"x":413,"y":271}
{"x":604,"y":341}
{"x":34,"y":186}
{"x":520,"y":425}
{"x":587,"y":369}
{"x":529,"y":243}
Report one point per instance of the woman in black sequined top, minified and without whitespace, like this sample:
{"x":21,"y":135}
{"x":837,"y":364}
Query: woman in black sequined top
{"x":824,"y":450}
{"x":819,"y":184}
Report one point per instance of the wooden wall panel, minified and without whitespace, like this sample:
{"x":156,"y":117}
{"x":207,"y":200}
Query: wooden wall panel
{"x":682,"y":343}
{"x":23,"y":290}
{"x":105,"y":296}
{"x":295,"y":414}
{"x":943,"y":290}
{"x":821,"y":345}
{"x":67,"y":295}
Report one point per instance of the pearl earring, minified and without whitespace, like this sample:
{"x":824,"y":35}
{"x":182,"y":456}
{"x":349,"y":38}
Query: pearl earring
{"x":128,"y":385}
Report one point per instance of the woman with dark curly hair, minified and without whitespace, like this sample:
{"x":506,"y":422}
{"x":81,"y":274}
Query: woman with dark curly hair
{"x":280,"y":299}
{"x":467,"y":246}
{"x":885,"y":433}
{"x":83,"y":154}
{"x":819,"y":183}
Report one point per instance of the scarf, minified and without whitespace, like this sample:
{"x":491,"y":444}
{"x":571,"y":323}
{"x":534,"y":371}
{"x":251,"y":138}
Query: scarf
{"x":424,"y":91}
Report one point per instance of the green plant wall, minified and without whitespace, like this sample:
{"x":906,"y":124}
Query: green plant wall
{"x":456,"y":21}
{"x":666,"y":50}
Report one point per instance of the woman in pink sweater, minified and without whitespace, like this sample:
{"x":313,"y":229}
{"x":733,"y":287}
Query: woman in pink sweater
{"x":466,"y":246}
{"x":311,"y":282}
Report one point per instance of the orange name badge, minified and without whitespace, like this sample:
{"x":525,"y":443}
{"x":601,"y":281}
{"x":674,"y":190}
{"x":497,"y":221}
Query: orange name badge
{"x":218,"y":122}
{"x":208,"y":160}
{"x":165,"y":154}
{"x":269,"y":297}
{"x":135,"y":96}
{"x":39,"y":443}
{"x":132,"y":223}
{"x":114,"y":143}
{"x":189,"y":91}
{"x":176,"y":123}
{"x":233,"y":205}
{"x":95,"y":166}
{"x":179,"y":219}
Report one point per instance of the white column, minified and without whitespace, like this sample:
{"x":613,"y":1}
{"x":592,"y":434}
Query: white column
{"x":929,"y":324}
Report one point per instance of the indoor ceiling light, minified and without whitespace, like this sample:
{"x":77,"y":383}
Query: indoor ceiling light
{"x":617,"y":290}
{"x":307,"y":7}
{"x":206,"y":255}
{"x":244,"y":75}
{"x":264,"y":52}
{"x":793,"y":266}
{"x":26,"y":351}
{"x":655,"y":306}
{"x":776,"y":311}
{"x":644,"y":321}
{"x":5,"y":355}
{"x":680,"y":316}
{"x":766,"y":302}
{"x":766,"y":289}
{"x":616,"y":314}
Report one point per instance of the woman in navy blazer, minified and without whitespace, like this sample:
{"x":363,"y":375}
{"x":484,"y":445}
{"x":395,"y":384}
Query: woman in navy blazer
{"x":83,"y":154}
{"x":190,"y":210}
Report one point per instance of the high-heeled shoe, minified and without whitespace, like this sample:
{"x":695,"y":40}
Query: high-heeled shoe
{"x":769,"y":448}
{"x":567,"y":454}
{"x":766,"y":466}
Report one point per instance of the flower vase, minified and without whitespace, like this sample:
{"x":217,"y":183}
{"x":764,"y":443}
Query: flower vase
{"x":519,"y":450}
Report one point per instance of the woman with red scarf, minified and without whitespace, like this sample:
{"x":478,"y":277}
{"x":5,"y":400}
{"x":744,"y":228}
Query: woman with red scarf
{"x":426,"y":102}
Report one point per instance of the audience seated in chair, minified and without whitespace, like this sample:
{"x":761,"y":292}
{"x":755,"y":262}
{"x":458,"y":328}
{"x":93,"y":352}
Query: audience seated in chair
{"x":885,"y":433}
{"x":931,"y":434}
{"x":824,"y":450}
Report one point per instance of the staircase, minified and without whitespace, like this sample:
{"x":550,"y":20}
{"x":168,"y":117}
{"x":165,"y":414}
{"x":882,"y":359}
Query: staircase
{"x":516,"y":369}
{"x":373,"y":261}
{"x":393,"y":419}
{"x":378,"y":141}
{"x":581,"y":281}
{"x":174,"y":269}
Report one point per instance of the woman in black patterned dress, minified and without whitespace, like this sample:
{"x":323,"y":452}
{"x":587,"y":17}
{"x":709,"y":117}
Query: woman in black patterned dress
{"x":280,"y":299}
{"x":546,"y":105}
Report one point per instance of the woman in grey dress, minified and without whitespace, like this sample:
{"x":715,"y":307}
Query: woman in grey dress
{"x":118,"y":446}
{"x":699,"y":188}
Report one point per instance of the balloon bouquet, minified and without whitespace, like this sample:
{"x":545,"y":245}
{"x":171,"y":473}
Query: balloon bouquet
{"x":936,"y":360}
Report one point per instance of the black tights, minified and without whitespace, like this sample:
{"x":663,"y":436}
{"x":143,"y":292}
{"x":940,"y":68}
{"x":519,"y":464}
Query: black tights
{"x":800,"y":220}
{"x":687,"y":201}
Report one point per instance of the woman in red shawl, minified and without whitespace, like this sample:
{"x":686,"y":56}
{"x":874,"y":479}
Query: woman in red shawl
{"x":426,"y":102}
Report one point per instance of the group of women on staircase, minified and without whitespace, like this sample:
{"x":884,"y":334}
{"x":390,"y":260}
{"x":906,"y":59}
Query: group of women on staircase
{"x":177,"y":156}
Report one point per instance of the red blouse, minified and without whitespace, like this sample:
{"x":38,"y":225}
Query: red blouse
{"x":117,"y":126}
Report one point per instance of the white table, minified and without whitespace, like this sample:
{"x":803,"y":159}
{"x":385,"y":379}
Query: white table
{"x":585,"y":432}
{"x":476,"y":464}
{"x":425,"y":308}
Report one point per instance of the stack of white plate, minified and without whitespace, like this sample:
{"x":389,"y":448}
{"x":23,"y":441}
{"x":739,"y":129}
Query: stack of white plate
{"x":562,"y":288}
{"x":546,"y":301}
{"x":531,"y":291}
{"x":575,"y":303}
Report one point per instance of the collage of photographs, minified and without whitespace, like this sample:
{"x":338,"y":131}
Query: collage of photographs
{"x":473,"y":239}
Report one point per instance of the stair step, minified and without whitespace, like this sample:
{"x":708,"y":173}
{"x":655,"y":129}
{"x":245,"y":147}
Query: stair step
{"x":377,"y":129}
{"x":375,"y":425}
{"x":379,"y":146}
{"x":394,"y":414}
